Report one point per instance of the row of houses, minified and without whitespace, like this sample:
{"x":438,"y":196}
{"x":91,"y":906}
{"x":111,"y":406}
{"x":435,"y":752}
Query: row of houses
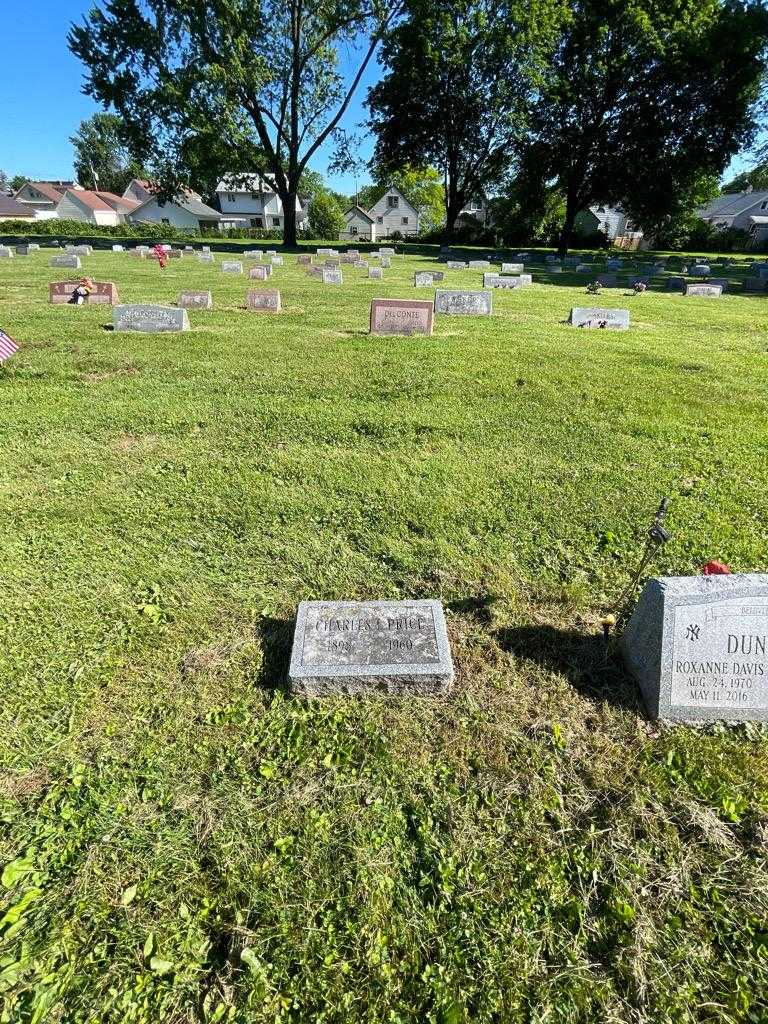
{"x":244,"y":201}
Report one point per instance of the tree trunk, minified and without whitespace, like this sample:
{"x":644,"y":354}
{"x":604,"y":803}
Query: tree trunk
{"x":289,"y":218}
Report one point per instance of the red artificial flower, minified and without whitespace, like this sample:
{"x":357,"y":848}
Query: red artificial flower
{"x":715,"y":568}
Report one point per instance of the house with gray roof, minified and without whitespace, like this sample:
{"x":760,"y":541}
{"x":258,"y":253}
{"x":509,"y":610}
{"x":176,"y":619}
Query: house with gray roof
{"x":186,"y":210}
{"x":744,"y":211}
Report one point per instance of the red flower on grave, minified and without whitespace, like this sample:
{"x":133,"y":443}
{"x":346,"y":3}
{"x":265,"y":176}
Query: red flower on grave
{"x":715,"y":568}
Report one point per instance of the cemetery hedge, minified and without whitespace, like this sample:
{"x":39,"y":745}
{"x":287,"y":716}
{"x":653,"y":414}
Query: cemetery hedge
{"x":182,"y":841}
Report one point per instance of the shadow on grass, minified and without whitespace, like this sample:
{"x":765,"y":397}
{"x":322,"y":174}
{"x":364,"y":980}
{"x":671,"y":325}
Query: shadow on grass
{"x":275,"y":636}
{"x":582,"y":658}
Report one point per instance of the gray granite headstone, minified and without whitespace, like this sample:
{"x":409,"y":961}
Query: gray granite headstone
{"x":423,"y":279}
{"x":332,"y":275}
{"x":370,"y":647}
{"x":698,"y":647}
{"x":479,"y":264}
{"x":118,"y":248}
{"x":22,"y":250}
{"x":722,"y":281}
{"x":456,"y":265}
{"x":231,"y":267}
{"x":705,"y":291}
{"x":260,"y":272}
{"x":463,"y":303}
{"x":149,"y":319}
{"x":755,"y":284}
{"x":375,"y":272}
{"x":66,"y":261}
{"x":499,"y":281}
{"x":675,"y":284}
{"x":600,"y":319}
{"x":385,"y":262}
{"x":701,"y":269}
{"x":205,"y":257}
{"x":265,"y":301}
{"x":195,"y":300}
{"x":512,"y":268}
{"x":608,"y":280}
{"x":6,"y":253}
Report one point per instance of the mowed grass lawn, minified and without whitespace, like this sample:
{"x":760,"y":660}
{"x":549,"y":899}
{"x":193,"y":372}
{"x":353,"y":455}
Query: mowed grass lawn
{"x":186,"y":842}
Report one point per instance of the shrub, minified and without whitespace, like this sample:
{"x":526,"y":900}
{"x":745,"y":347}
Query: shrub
{"x":326,"y":217}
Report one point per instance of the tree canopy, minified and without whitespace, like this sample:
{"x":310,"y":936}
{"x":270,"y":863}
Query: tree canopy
{"x":640,"y":101}
{"x":459,"y":78}
{"x":264,"y":76}
{"x":756,"y":177}
{"x":103,"y":158}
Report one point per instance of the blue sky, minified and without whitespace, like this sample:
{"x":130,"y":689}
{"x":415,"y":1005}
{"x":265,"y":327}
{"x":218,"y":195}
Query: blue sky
{"x":41,"y":103}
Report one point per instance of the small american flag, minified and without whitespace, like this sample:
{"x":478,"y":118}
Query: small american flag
{"x":7,"y":346}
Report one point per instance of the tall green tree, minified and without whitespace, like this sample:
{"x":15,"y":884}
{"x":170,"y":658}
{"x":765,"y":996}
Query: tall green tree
{"x":459,"y":78}
{"x":263,"y":75}
{"x":756,"y":177}
{"x":103,"y":156}
{"x":641,"y":100}
{"x":326,"y":217}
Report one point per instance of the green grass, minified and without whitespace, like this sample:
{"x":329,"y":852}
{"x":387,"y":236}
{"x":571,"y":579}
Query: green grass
{"x":184,"y":842}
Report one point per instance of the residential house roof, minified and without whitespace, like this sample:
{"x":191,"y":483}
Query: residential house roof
{"x":95,"y":201}
{"x":189,"y":201}
{"x":360,"y":210}
{"x":732,"y":204}
{"x":243,"y":183}
{"x":118,"y":203}
{"x":9,"y":207}
{"x":45,"y":188}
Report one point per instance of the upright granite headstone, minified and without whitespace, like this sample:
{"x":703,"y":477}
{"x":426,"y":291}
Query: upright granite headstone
{"x":118,"y":248}
{"x":22,"y":250}
{"x":204,"y":257}
{"x":700,"y":269}
{"x":231,"y":267}
{"x":267,"y":300}
{"x":423,"y":279}
{"x":370,"y":647}
{"x":401,"y":316}
{"x":260,"y":273}
{"x":608,"y":280}
{"x":149,"y":319}
{"x":706,"y":291}
{"x":195,"y":300}
{"x":304,"y":259}
{"x":601,"y":319}
{"x":375,"y":272}
{"x":71,"y":261}
{"x":5,"y":253}
{"x":675,"y":284}
{"x":755,"y":284}
{"x":104,"y":293}
{"x":479,"y":265}
{"x":456,"y":265}
{"x":463,"y":303}
{"x":698,"y":647}
{"x":332,"y":275}
{"x":512,"y":268}
{"x":500,"y":281}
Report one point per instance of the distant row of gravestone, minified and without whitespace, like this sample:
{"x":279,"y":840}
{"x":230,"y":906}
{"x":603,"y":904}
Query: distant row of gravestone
{"x":697,"y":646}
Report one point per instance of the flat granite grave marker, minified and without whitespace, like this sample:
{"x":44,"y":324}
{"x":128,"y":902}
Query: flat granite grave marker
{"x":260,"y":273}
{"x":370,"y":647}
{"x":401,"y":316}
{"x":267,"y":300}
{"x":66,"y":261}
{"x":698,"y":647}
{"x":231,"y":267}
{"x":463,"y":303}
{"x":104,"y":293}
{"x":601,"y":319}
{"x":149,"y":319}
{"x":332,"y":275}
{"x":704,"y":291}
{"x":195,"y":300}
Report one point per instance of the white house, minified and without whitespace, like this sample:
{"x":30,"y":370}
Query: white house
{"x":612,"y":222}
{"x":745,"y":211}
{"x":478,"y":209}
{"x":187,"y":210}
{"x":249,"y":201}
{"x":394,"y":213}
{"x":102,"y":208}
{"x":42,"y":197}
{"x":360,"y":226}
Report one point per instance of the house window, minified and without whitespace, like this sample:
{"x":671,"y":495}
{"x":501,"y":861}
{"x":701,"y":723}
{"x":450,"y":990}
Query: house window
{"x":392,"y":202}
{"x":275,"y":222}
{"x":353,"y":230}
{"x":764,"y":205}
{"x":405,"y":220}
{"x":379,"y":220}
{"x":165,"y":221}
{"x":231,"y":197}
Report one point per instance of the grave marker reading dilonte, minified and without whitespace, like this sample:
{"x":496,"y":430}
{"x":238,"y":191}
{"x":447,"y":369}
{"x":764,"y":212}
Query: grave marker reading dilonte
{"x":401,"y":316}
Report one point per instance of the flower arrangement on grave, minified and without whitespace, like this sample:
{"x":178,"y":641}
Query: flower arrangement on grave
{"x":639,"y":287}
{"x":593,"y":288}
{"x":82,"y":291}
{"x":715,"y":568}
